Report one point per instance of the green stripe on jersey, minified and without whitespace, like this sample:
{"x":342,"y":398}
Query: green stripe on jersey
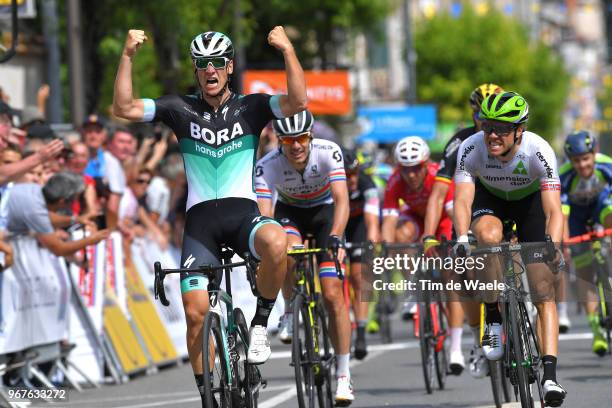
{"x":513,"y":195}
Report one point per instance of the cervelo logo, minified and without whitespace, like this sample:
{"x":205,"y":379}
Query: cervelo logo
{"x":466,"y":151}
{"x":212,"y":138}
{"x":549,"y":170}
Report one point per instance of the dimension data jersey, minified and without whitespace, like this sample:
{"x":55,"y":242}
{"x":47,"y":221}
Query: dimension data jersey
{"x":533,"y":167}
{"x":308,"y":189}
{"x":218,"y":147}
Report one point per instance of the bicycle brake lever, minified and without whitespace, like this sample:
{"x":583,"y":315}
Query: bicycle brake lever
{"x":158,"y":284}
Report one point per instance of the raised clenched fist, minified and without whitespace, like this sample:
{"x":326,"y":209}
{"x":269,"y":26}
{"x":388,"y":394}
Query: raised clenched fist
{"x":279,"y":40}
{"x":135,"y":38}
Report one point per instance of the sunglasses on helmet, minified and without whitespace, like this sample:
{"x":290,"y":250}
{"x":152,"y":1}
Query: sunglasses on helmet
{"x":301,"y":139}
{"x":217,"y":62}
{"x":500,"y":129}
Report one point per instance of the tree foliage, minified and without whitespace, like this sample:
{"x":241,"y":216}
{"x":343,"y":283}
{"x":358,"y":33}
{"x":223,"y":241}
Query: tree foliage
{"x":457,"y":54}
{"x":163,"y":65}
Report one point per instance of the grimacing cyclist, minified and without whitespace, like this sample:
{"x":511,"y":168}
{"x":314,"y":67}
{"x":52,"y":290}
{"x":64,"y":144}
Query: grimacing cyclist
{"x":506,"y":172}
{"x":478,"y":365}
{"x":586,"y":195}
{"x":218,"y":133}
{"x":308,"y":177}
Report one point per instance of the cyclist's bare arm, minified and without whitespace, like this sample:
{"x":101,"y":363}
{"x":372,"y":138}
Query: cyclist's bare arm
{"x":124,"y":104}
{"x":372,"y":227}
{"x":295,"y":100}
{"x":388,"y":228}
{"x":265,"y":207}
{"x":551,"y":204}
{"x":435,"y":206}
{"x":339,"y":192}
{"x":462,"y":207}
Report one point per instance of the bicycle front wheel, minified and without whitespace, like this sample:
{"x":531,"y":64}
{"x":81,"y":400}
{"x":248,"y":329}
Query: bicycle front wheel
{"x":247,"y":375}
{"x":324,"y":358}
{"x":521,"y":363}
{"x":426,"y":344}
{"x":302,"y":353}
{"x":214,"y":356}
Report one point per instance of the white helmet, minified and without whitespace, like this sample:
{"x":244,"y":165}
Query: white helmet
{"x":211,"y":44}
{"x":411,"y":150}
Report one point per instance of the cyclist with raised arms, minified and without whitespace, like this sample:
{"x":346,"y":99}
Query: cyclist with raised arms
{"x":505,"y":172}
{"x":435,"y":207}
{"x":586,"y":188}
{"x":308,"y":177}
{"x":218,"y":133}
{"x":363,"y":225}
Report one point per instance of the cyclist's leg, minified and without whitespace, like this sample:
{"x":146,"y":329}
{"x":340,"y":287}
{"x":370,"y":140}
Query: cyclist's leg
{"x":453,"y":305}
{"x":199,"y":248}
{"x":266,"y":241}
{"x":356,"y":232}
{"x":333,"y":295}
{"x":487,"y":214}
{"x":284,"y":216}
{"x":531,"y":227}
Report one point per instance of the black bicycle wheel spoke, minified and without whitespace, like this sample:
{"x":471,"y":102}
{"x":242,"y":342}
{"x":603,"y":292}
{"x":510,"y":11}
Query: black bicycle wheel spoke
{"x":426,"y":345}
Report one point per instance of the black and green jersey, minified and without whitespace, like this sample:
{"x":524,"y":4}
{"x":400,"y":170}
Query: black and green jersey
{"x":218,"y":147}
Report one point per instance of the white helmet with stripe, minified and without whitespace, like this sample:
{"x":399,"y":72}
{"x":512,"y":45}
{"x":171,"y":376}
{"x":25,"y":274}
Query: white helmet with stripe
{"x":411,"y":151}
{"x":211,"y":44}
{"x":295,"y":125}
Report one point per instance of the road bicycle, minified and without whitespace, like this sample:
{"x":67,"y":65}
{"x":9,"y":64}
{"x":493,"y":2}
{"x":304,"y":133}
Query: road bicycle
{"x":522,"y":356}
{"x":602,"y":265}
{"x":232,"y":381}
{"x":311,"y":353}
{"x":430,"y":322}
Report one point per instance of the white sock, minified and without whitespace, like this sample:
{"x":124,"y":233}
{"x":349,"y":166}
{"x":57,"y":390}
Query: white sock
{"x":342,"y":365}
{"x":456,"y":333}
{"x":476,"y":334}
{"x":562,"y":308}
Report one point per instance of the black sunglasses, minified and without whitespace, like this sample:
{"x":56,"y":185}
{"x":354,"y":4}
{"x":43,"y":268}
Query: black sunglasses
{"x":498,"y":128}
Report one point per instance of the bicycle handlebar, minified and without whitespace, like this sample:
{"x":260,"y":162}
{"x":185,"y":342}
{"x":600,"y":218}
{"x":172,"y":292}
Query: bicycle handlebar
{"x":208,"y":270}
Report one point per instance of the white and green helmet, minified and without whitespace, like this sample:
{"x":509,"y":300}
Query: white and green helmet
{"x":211,"y":44}
{"x":505,"y":107}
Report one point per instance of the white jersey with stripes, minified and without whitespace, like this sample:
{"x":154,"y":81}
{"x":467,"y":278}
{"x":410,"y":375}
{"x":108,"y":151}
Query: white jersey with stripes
{"x":310,"y":188}
{"x":533,"y":167}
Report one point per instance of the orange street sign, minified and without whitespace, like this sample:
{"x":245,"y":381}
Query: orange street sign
{"x":328,"y":92}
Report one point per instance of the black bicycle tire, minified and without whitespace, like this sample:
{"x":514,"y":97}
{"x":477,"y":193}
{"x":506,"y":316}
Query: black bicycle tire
{"x":425,"y":345}
{"x":301,"y":354}
{"x":441,"y":357}
{"x":324,"y":390}
{"x":518,"y":354}
{"x":384,"y":320}
{"x":496,"y":375}
{"x":247,"y":379}
{"x":212,"y":329}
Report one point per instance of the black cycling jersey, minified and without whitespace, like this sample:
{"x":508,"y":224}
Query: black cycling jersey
{"x":448,"y":164}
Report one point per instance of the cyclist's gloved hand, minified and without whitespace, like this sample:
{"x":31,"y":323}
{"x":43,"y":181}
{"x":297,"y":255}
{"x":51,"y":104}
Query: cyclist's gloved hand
{"x":462,"y":247}
{"x":335,"y":242}
{"x":429,"y":245}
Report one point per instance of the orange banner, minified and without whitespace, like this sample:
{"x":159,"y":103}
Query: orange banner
{"x":328,"y":92}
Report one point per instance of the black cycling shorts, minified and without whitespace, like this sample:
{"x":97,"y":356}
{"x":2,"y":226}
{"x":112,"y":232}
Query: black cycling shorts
{"x":232,"y":222}
{"x":356,"y":233}
{"x":316,"y":221}
{"x":527,"y":212}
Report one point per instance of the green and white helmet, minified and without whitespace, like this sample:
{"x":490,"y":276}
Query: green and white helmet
{"x":505,"y":107}
{"x":211,"y":44}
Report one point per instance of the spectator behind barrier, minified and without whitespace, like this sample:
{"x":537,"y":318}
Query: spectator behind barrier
{"x":30,"y":208}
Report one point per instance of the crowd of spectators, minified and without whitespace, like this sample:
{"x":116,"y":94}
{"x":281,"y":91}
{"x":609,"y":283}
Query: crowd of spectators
{"x":103,"y":175}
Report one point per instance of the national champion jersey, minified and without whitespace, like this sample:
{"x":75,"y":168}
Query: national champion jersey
{"x":219,"y":147}
{"x":533,"y":167}
{"x":448,"y":164}
{"x":365,"y":198}
{"x":310,"y":188}
{"x":576,"y":190}
{"x":414,"y":202}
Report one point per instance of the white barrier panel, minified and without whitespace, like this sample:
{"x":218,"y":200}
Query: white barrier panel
{"x":87,"y":355}
{"x":34,"y":298}
{"x":115,"y":269}
{"x":144,"y":254}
